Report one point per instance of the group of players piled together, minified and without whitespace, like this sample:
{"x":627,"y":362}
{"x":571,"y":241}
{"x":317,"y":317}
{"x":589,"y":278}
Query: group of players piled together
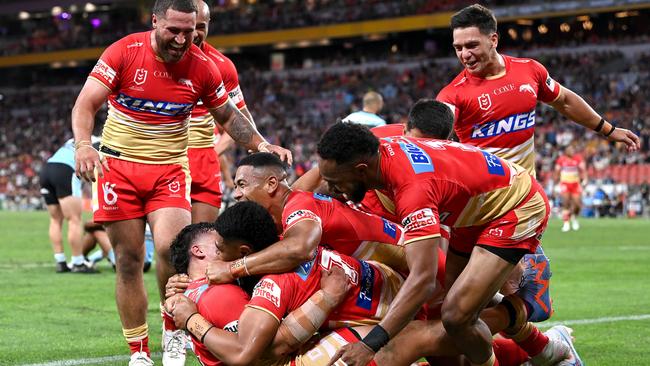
{"x":401,"y":245}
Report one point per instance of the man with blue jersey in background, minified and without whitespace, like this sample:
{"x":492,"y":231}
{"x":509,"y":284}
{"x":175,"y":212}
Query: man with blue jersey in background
{"x":372,"y":105}
{"x":61,"y":190}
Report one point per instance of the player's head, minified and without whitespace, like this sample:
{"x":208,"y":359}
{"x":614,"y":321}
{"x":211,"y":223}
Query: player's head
{"x":259,"y":178}
{"x":173,"y":22}
{"x":569,"y":150}
{"x":346,"y":152}
{"x":202,"y":22}
{"x":373,"y":102}
{"x":244,"y":228}
{"x":475,"y":37}
{"x":429,"y":118}
{"x":194,"y":241}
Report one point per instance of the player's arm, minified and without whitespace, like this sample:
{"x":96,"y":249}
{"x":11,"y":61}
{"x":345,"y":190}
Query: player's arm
{"x":584,"y":177}
{"x":92,"y":96}
{"x":244,"y":132}
{"x":297,"y":246}
{"x":575,"y":108}
{"x":557,"y":171}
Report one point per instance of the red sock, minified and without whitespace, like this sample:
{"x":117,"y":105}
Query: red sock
{"x":508,"y":352}
{"x":534,"y":343}
{"x":565,"y":215}
{"x":140,"y":346}
{"x":168,"y":320}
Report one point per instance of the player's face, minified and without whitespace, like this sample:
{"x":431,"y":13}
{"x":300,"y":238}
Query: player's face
{"x":474,"y":50}
{"x":174,"y":34}
{"x":249,"y":186}
{"x":202,"y":24}
{"x":569,"y":151}
{"x":343,"y":179}
{"x":226,"y":251}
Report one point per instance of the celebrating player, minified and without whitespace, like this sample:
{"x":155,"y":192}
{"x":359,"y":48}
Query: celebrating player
{"x":152,"y":80}
{"x":494,"y":97}
{"x":571,"y":172}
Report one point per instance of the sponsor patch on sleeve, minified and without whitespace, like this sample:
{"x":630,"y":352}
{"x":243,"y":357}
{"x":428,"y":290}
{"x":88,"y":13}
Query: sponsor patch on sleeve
{"x":419,"y":219}
{"x":232,"y":327}
{"x":301,"y":215}
{"x":268,"y":290}
{"x":104,"y":71}
{"x":236,"y":95}
{"x":550,"y":83}
{"x":221,"y":90}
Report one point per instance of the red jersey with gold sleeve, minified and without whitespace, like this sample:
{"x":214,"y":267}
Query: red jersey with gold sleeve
{"x":374,"y":286}
{"x":498,"y":114}
{"x":202,"y":125}
{"x":347,"y":230}
{"x":222,"y":314}
{"x":569,"y":168}
{"x":151,"y":101}
{"x":439,"y":181}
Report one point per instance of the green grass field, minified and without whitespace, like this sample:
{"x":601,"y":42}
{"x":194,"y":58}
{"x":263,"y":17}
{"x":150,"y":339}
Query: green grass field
{"x":601,"y":271}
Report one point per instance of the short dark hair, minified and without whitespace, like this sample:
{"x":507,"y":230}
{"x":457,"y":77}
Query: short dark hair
{"x":432,"y":117}
{"x":347,"y":142}
{"x":185,"y":6}
{"x":475,"y":16}
{"x":262,"y":160}
{"x":180,"y":247}
{"x":247,"y":222}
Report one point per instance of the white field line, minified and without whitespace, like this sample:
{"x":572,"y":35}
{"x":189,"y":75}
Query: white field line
{"x":91,"y":361}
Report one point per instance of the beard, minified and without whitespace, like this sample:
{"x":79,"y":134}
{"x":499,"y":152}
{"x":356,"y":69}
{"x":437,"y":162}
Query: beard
{"x":358,"y":193}
{"x":167,"y":52}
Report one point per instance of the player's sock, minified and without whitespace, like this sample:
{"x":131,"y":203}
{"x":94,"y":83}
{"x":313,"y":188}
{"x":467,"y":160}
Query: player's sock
{"x":530,"y":339}
{"x":492,"y":361}
{"x":138,"y":339}
{"x":168,"y":319}
{"x":111,"y":257}
{"x":508,"y":353}
{"x":96,"y":256}
{"x":565,"y":215}
{"x":77,"y":260}
{"x":59,"y":257}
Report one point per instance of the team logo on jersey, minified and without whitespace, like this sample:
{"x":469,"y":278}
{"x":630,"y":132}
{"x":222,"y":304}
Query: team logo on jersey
{"x":512,"y":123}
{"x":232,"y":327}
{"x":174,"y":186}
{"x":102,"y":69}
{"x":140,"y":76}
{"x":493,"y":164}
{"x":484,"y":101}
{"x":527,"y":88}
{"x":110,"y":197}
{"x":419,"y":159}
{"x":301,"y":215}
{"x":269,"y":290}
{"x":135,"y":44}
{"x":419,"y":219}
{"x":187,"y":83}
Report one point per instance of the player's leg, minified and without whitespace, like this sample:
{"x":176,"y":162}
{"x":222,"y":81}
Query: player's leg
{"x":203,"y":212}
{"x":71,"y":207}
{"x":127,"y":237}
{"x":576,"y":199}
{"x":205,"y":194}
{"x":56,"y":237}
{"x":565,"y":196}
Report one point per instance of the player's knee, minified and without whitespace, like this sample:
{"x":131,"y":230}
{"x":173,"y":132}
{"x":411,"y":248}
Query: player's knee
{"x":128,"y":264}
{"x":455,"y":319}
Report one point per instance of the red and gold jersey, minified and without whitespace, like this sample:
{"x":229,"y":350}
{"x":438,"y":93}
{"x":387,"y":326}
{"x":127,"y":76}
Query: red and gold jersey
{"x":498,"y":114}
{"x":434,"y":182}
{"x":374,"y":287}
{"x":202,"y":125}
{"x":151,"y":101}
{"x":347,"y":230}
{"x":222,"y":314}
{"x":569,"y":168}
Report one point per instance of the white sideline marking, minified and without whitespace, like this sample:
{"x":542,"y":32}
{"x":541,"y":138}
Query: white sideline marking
{"x":634,"y":247}
{"x":607,"y":319}
{"x":91,"y":361}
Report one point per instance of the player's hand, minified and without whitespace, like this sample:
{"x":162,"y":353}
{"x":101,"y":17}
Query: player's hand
{"x":631,"y":141}
{"x":284,"y":154}
{"x":334,"y":282}
{"x":183,"y":307}
{"x":86,"y":160}
{"x":177,"y":284}
{"x":353,"y":354}
{"x":218,"y":272}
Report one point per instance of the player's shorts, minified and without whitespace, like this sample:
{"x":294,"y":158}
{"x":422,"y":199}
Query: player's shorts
{"x":131,"y":190}
{"x":520,"y":228}
{"x":58,"y":181}
{"x":320,"y":353}
{"x":206,"y":176}
{"x":573,"y":189}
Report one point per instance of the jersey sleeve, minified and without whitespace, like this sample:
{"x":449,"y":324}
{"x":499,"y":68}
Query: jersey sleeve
{"x":108,"y":67}
{"x":231,"y":81}
{"x":273,"y":295}
{"x":213,"y":93}
{"x":547,"y":89}
{"x":223,"y":314}
{"x":448,"y":96}
{"x":420,"y":217}
{"x":300,"y":209}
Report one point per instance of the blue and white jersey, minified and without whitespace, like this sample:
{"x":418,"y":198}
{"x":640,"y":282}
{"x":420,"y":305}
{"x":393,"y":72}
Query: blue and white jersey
{"x":367,"y":119}
{"x":64,"y":155}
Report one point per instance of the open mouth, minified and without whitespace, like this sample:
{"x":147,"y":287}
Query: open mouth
{"x":471,"y":64}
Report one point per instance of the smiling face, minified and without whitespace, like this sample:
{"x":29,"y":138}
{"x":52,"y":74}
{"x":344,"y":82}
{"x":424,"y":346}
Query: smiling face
{"x":250,"y":185}
{"x":475,"y":51}
{"x":346,"y":179}
{"x":173,"y":34}
{"x":202,"y":23}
